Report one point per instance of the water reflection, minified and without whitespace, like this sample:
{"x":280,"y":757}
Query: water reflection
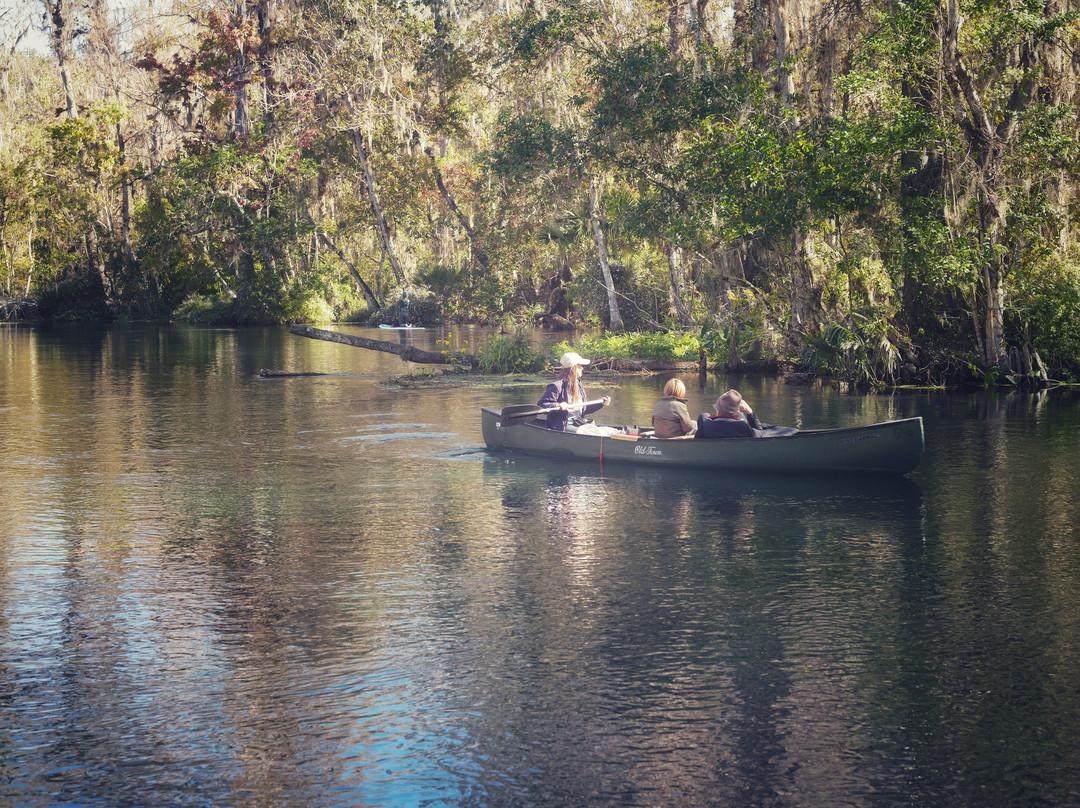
{"x":223,"y":590}
{"x":866,"y":497}
{"x":749,"y":590}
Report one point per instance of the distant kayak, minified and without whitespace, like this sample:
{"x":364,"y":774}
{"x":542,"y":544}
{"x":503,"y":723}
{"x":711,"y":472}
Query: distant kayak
{"x":403,"y":327}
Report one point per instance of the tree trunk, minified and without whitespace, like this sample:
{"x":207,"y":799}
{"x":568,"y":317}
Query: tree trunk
{"x":29,"y":259}
{"x":674,"y":260}
{"x":245,"y":273}
{"x":986,"y":141}
{"x":992,"y":212}
{"x":369,"y":296}
{"x":130,"y":268}
{"x":827,"y":31}
{"x":406,"y":352}
{"x":5,"y":68}
{"x":478,"y":254}
{"x":675,"y":11}
{"x":615,"y":323}
{"x":701,"y":30}
{"x":96,"y":271}
{"x":558,"y":303}
{"x":61,"y":15}
{"x":803,"y":293}
{"x":69,"y":90}
{"x":728,"y":265}
{"x":241,"y":70}
{"x":784,"y":79}
{"x":994,"y":352}
{"x":376,"y":206}
{"x":750,"y":23}
{"x":734,"y":361}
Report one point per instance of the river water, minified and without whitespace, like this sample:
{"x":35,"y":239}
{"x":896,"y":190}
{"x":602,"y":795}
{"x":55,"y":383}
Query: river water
{"x":223,"y":590}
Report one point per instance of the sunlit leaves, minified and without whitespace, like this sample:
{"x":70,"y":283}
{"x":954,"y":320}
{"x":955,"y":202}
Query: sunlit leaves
{"x":82,"y":144}
{"x":525,"y":145}
{"x":536,"y":37}
{"x":768,"y":177}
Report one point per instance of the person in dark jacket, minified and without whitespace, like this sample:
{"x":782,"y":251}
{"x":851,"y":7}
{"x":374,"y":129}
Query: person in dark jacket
{"x":567,"y":394}
{"x":734,"y":419}
{"x":403,"y":309}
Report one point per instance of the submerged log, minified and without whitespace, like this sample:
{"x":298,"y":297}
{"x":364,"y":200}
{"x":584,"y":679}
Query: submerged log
{"x":407,"y":352}
{"x":268,"y":373}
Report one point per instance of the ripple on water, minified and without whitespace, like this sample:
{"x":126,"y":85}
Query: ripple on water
{"x":216,"y":591}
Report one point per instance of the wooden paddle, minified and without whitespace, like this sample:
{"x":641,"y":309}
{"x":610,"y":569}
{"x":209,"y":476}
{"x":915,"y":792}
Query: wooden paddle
{"x":519,"y":412}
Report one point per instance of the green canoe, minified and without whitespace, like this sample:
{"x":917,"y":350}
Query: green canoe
{"x":891,"y":447}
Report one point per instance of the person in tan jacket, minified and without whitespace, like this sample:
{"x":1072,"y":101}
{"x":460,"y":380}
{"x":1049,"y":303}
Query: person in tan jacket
{"x":670,"y":418}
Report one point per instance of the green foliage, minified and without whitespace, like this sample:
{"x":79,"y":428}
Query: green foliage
{"x":442,"y":279}
{"x":75,"y":297}
{"x":309,"y":306}
{"x":229,"y":211}
{"x":715,"y":342}
{"x":642,"y":92}
{"x":56,"y":194}
{"x":767,"y":177}
{"x":1044,"y":311}
{"x":203,"y":310}
{"x":838,"y":351}
{"x":989,"y":378}
{"x":525,"y":145}
{"x":746,"y":315}
{"x":534,"y":37}
{"x":176,"y":263}
{"x":669,"y":347}
{"x":513,"y":354}
{"x":863,"y":352}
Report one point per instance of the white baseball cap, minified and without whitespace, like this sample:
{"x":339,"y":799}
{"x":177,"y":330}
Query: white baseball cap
{"x":569,"y":359}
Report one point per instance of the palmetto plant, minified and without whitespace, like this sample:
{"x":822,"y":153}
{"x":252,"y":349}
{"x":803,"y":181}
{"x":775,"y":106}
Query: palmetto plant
{"x":862,"y":352}
{"x":442,"y":279}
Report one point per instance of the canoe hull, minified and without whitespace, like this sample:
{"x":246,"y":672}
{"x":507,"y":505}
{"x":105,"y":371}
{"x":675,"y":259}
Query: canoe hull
{"x":891,"y":447}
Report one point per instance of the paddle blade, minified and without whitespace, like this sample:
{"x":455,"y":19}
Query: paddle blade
{"x":521,"y":411}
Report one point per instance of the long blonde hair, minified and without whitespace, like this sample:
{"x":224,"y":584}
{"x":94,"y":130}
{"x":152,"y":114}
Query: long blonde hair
{"x":567,"y":375}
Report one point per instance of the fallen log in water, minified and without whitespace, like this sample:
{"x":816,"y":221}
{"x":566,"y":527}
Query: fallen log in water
{"x":268,"y":373}
{"x":407,"y":352}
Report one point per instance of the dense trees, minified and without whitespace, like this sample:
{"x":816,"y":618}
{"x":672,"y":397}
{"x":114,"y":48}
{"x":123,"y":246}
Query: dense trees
{"x":881,"y":189}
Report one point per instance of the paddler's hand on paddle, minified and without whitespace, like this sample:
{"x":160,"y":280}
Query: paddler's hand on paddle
{"x":562,"y":405}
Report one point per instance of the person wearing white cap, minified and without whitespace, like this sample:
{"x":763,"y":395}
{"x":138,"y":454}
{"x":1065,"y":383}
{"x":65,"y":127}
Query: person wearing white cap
{"x":567,"y":393}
